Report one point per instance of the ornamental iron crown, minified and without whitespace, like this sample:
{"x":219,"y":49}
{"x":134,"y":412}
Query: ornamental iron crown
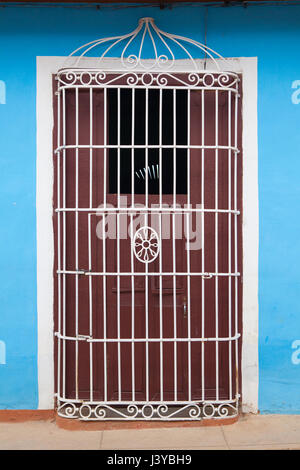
{"x":147,"y":48}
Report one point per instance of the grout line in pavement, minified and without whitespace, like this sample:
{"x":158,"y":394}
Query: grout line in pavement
{"x":224,"y":437}
{"x":101,"y":440}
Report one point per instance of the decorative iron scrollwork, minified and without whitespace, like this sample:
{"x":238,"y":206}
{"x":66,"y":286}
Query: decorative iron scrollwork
{"x":208,"y":80}
{"x":148,"y":411}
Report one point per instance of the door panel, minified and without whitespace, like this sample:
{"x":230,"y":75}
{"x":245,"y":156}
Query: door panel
{"x":153,"y":326}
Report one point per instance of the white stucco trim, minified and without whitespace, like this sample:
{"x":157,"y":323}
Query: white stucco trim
{"x":46,"y":66}
{"x":250,"y":373}
{"x":45,"y":238}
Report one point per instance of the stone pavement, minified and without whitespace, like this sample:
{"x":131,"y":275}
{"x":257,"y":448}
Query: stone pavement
{"x":250,"y":432}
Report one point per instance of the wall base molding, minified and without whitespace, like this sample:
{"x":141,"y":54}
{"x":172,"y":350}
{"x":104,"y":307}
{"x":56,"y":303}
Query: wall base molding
{"x":78,"y":425}
{"x":20,"y":416}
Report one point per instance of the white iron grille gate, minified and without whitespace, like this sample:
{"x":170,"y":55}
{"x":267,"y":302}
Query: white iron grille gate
{"x":147,"y":307}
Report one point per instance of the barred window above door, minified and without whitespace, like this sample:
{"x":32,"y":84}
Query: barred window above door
{"x":124,"y":107}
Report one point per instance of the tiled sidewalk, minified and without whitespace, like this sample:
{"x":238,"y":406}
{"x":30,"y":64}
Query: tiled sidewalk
{"x":250,"y":432}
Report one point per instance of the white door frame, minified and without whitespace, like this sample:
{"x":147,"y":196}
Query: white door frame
{"x":46,"y":67}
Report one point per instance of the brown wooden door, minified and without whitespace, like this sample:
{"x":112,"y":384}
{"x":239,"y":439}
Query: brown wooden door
{"x":141,"y":370}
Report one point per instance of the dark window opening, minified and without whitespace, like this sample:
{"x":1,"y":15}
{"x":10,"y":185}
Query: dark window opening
{"x":167,"y":137}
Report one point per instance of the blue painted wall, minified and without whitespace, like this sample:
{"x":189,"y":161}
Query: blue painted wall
{"x":272,"y":33}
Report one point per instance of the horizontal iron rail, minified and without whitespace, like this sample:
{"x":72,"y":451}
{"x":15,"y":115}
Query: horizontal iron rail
{"x":143,"y":340}
{"x":142,"y":71}
{"x":148,"y":146}
{"x":143,"y":402}
{"x":170,"y":210}
{"x":148,"y":274}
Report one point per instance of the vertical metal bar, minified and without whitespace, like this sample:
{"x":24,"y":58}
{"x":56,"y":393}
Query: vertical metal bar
{"x":160,"y":147}
{"x":104,"y":307}
{"x":105,"y":147}
{"x":203,"y":246}
{"x":132,"y":315}
{"x":131,"y":252}
{"x":118,"y":249}
{"x":146,"y":153}
{"x":119,"y":143}
{"x":58,"y":248}
{"x":90,"y":305}
{"x":174,"y":245}
{"x":76,"y":235}
{"x":90,"y":241}
{"x":174,"y":310}
{"x":236,"y":244}
{"x":104,"y":245}
{"x":147,"y":326}
{"x":188,"y":241}
{"x":161,"y":350}
{"x":161,"y":246}
{"x":174,"y":148}
{"x":216,"y":241}
{"x":229,"y":246}
{"x":91,"y":147}
{"x":118,"y":308}
{"x":132,"y":144}
{"x":64,"y":242}
{"x":146,"y":223}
